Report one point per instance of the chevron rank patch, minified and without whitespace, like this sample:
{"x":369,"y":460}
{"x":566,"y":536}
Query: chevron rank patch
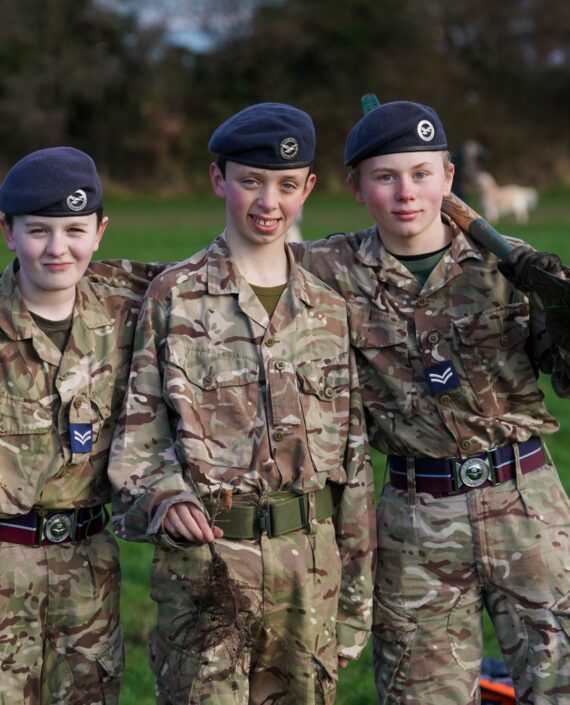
{"x":81,"y":437}
{"x":442,"y":377}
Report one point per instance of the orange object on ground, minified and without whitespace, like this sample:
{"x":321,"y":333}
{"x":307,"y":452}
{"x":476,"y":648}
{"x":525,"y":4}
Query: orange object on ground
{"x":497,"y":693}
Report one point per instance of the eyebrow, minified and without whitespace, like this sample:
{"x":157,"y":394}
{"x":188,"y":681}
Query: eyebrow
{"x":31,"y":223}
{"x":71,"y":223}
{"x":421,"y":165}
{"x":286,"y":175}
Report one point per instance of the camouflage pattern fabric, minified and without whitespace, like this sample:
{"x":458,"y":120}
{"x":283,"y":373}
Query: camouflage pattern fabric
{"x":466,"y":312}
{"x":221,"y":397}
{"x":43,"y":391}
{"x":440,"y":561}
{"x":293,"y":585}
{"x":60,"y":634}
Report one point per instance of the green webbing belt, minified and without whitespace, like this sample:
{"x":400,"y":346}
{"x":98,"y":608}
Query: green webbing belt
{"x":275,"y":513}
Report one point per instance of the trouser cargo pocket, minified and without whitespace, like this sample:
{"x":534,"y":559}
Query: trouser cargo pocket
{"x":393,"y":639}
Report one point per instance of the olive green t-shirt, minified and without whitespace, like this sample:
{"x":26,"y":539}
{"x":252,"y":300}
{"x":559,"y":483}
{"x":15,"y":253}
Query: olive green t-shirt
{"x":269,"y":296}
{"x":57,"y":331}
{"x":421,"y":266}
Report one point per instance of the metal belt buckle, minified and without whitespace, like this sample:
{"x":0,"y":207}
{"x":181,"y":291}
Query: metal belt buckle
{"x":57,"y":528}
{"x":474,"y":472}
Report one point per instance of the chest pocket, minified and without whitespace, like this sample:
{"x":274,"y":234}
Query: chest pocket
{"x":491,"y":344}
{"x":384,"y":371}
{"x":25,"y":441}
{"x":325,"y":403}
{"x":101,"y":401}
{"x":215,"y":402}
{"x":94,"y":406}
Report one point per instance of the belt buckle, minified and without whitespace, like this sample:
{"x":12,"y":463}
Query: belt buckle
{"x":264,"y":523}
{"x":473,"y":472}
{"x":57,"y":528}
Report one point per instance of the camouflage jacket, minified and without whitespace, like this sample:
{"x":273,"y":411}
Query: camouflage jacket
{"x":222,"y":397}
{"x":44,"y":391}
{"x":466,"y":313}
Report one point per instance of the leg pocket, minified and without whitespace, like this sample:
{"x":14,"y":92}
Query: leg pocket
{"x":326,"y":673}
{"x":325,"y":684}
{"x":393,"y":638}
{"x":535,"y":641}
{"x":175,"y":668}
{"x":111,"y":663}
{"x":89,"y":677}
{"x":554,"y":667}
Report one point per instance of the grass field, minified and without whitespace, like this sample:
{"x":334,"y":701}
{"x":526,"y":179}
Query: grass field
{"x":169,"y":230}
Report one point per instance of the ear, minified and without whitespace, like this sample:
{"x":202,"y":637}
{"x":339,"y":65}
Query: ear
{"x":309,"y":186}
{"x":218,"y":181}
{"x":100,"y":230}
{"x":354,"y":189}
{"x":449,"y":180}
{"x":8,"y":234}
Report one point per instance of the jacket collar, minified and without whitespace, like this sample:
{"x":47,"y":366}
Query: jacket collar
{"x":225,"y":278}
{"x":389,"y":269}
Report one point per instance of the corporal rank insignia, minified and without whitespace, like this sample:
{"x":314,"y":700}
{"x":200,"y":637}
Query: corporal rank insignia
{"x":81,"y":437}
{"x":441,"y":378}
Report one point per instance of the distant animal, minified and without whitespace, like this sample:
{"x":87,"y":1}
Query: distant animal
{"x":504,"y":201}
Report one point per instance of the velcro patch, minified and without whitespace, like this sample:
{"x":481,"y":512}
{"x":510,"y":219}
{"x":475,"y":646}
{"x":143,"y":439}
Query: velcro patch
{"x":442,"y":377}
{"x":81,"y":437}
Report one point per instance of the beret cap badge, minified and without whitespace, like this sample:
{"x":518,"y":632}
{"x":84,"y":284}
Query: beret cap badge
{"x":289,"y":148}
{"x":426,"y":130}
{"x":77,"y":200}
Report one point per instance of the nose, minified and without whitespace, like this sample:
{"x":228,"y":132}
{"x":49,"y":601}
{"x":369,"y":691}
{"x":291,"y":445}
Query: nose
{"x":267,"y":199}
{"x":405,"y":190}
{"x":56,"y":245}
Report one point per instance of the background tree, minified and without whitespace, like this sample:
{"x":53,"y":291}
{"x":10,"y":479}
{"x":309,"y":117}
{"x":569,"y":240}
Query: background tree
{"x":141,"y":84}
{"x":67,"y":73}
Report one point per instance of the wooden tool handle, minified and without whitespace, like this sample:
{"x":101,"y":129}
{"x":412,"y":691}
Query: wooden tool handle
{"x":480,"y":230}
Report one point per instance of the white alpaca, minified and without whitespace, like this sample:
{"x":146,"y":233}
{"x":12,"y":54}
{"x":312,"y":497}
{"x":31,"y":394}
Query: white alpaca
{"x":500,"y":201}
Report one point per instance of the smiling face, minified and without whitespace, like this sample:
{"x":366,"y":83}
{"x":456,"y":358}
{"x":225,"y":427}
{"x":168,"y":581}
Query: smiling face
{"x":261,"y":204}
{"x":53,"y":253}
{"x":403,"y":193}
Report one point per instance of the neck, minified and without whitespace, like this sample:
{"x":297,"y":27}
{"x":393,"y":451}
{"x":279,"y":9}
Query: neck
{"x":261,"y":265}
{"x":52,"y":310}
{"x":434,"y":238}
{"x":51,"y":305}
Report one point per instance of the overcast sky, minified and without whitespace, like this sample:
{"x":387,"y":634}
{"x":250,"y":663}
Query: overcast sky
{"x":197,"y":24}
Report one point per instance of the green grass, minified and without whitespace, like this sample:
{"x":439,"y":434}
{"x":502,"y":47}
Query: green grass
{"x":173,"y":229}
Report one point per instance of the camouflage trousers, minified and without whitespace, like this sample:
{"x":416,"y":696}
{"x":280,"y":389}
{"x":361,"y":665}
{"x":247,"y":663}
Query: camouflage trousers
{"x":292,"y":582}
{"x":441,"y":561}
{"x":60,"y":637}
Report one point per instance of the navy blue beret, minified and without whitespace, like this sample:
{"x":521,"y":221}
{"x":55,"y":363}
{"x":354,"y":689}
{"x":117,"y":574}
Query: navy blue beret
{"x":58,"y":181}
{"x":268,"y":136}
{"x":399,"y":126}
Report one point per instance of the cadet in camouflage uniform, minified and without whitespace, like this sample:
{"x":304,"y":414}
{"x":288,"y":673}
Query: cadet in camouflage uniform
{"x":243,"y":382}
{"x":66,"y":330}
{"x":448,"y":350}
